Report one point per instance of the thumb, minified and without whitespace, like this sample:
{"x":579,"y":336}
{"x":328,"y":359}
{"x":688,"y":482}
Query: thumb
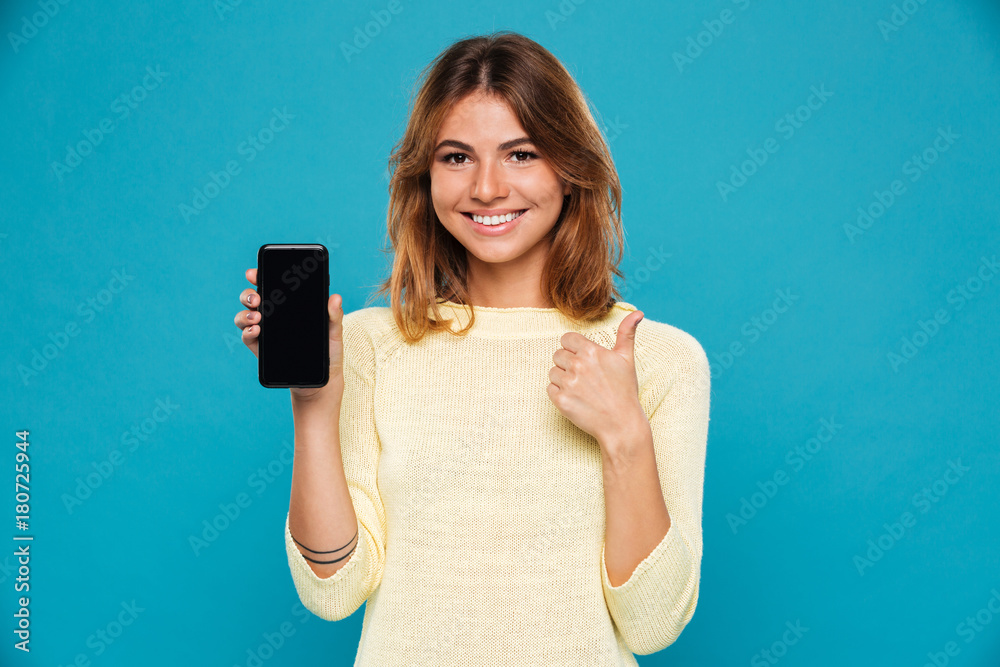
{"x":625,"y":344}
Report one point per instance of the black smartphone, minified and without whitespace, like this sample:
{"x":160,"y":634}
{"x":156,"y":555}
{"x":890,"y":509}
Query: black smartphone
{"x":293,"y":282}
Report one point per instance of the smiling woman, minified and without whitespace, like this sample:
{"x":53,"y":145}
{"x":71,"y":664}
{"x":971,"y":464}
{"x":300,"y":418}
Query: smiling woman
{"x":527,"y":489}
{"x":499,"y":127}
{"x":526,"y":192}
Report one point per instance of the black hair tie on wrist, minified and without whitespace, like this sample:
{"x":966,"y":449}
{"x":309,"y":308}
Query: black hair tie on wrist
{"x":324,"y":562}
{"x":322,"y":552}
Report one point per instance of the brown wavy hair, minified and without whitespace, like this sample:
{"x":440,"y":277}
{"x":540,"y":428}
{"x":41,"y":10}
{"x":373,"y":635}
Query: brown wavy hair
{"x":587,"y":239}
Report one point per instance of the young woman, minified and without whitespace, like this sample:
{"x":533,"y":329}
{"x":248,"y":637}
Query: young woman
{"x":504,"y":465}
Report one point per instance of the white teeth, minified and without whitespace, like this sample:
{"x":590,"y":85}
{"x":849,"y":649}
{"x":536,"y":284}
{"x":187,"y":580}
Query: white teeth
{"x":496,"y":219}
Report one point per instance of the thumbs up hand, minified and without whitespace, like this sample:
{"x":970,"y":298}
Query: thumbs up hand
{"x":594,"y":387}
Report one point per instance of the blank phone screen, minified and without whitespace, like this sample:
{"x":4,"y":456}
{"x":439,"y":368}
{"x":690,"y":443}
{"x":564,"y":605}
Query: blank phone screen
{"x":293,"y":283}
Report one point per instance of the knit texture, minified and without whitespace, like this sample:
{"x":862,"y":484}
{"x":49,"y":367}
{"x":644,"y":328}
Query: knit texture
{"x":480,"y":507}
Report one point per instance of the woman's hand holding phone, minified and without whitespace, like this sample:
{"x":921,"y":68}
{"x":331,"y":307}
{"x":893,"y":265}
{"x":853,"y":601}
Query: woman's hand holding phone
{"x":249,"y":321}
{"x":320,"y":509}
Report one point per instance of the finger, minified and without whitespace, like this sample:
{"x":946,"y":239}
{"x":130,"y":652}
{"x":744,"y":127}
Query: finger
{"x":334,"y":309}
{"x":249,"y":298}
{"x":249,"y":336}
{"x":574,"y":342}
{"x":252,"y":275}
{"x":245,"y":318}
{"x":563,"y":358}
{"x":557,"y":376}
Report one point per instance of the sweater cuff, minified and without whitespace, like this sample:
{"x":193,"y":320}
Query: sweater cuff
{"x":335,"y":597}
{"x":653,"y":605}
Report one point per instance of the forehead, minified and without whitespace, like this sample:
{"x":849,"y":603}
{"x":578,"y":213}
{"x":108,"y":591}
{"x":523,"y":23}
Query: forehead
{"x":480,"y":117}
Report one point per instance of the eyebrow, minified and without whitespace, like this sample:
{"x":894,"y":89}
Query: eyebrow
{"x":466,"y":147}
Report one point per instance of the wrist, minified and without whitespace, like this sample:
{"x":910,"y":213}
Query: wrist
{"x":627,"y":433}
{"x":621,"y":449}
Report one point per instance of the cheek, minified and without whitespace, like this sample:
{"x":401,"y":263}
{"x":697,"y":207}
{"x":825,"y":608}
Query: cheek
{"x":547,"y":191}
{"x":443,"y":189}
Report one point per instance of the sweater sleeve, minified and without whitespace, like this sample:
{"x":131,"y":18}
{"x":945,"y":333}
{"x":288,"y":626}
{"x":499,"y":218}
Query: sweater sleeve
{"x":654,"y":605}
{"x":338,"y":596}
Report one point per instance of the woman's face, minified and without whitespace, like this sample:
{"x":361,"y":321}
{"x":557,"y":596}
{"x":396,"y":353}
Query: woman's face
{"x":484,"y":164}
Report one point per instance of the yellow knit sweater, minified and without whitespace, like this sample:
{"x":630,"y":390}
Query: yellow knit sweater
{"x":481,"y":507}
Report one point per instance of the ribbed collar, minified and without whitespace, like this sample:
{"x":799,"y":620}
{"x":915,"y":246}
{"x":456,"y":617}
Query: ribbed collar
{"x":525,"y":320}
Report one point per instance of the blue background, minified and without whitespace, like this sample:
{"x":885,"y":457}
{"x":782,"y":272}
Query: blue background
{"x":677,"y":129}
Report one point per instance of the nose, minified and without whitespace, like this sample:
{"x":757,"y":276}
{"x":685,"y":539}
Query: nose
{"x":489,"y":182}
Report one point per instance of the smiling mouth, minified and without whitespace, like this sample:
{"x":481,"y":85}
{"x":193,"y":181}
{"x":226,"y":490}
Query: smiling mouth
{"x":491,"y":220}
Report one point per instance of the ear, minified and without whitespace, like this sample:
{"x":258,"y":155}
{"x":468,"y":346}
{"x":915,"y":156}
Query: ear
{"x":567,"y":188}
